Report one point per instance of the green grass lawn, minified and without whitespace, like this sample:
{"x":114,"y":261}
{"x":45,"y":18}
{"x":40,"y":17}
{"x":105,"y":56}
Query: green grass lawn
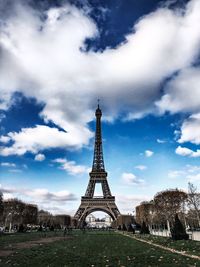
{"x":189,"y":246}
{"x":92,"y":249}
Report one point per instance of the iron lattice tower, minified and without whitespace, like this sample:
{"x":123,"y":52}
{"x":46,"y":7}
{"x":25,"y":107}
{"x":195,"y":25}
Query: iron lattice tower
{"x":89,"y":202}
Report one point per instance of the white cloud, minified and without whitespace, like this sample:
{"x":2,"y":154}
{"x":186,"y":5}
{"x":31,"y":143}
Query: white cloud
{"x":148,"y":153}
{"x":43,"y":137}
{"x":176,"y":173}
{"x":160,"y":141}
{"x":189,"y":172}
{"x":130,"y":178}
{"x":8,"y":164}
{"x":4,"y":139}
{"x":40,"y":195}
{"x":184,"y":151}
{"x":43,"y":59}
{"x":45,"y":195}
{"x":59,"y":209}
{"x":178,"y":96}
{"x":71,"y":166}
{"x":192,"y":168}
{"x":193,"y":178}
{"x":7,"y":196}
{"x":40,"y":157}
{"x":190,"y":130}
{"x":141,"y":167}
{"x":126,"y":204}
{"x":56,"y":202}
{"x":182,"y":94}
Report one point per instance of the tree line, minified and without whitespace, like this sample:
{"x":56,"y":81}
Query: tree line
{"x":20,"y":216}
{"x":168,"y":206}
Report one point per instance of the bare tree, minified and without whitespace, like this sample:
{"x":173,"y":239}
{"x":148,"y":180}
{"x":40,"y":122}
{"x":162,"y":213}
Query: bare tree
{"x":13,"y":212}
{"x":17,"y":213}
{"x":194,"y":200}
{"x":170,"y":202}
{"x":30,"y":214}
{"x":144,"y":212}
{"x":192,"y":219}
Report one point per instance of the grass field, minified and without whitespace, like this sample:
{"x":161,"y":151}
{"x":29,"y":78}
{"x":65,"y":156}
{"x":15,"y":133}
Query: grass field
{"x":189,"y":246}
{"x":5,"y":240}
{"x":88,"y":249}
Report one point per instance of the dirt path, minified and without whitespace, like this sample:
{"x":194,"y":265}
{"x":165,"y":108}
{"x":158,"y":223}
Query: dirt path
{"x":183,"y":253}
{"x":11,"y":248}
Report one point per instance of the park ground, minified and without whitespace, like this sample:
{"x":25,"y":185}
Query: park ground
{"x":94,"y":248}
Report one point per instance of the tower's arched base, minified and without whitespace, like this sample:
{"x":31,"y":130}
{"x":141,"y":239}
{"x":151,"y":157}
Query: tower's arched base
{"x":89,"y":205}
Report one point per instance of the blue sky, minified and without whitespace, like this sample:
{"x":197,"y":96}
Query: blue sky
{"x":141,"y":58}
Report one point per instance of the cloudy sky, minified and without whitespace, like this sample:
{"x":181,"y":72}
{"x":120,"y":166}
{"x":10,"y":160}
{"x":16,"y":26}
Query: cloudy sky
{"x":140,"y":58}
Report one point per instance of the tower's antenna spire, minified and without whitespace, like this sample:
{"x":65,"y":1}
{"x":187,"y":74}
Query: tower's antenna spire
{"x":98,"y":100}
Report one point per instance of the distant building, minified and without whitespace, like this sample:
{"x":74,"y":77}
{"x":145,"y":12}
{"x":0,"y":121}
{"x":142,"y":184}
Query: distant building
{"x":45,"y":218}
{"x":92,"y":221}
{"x":123,"y":221}
{"x":62,"y":220}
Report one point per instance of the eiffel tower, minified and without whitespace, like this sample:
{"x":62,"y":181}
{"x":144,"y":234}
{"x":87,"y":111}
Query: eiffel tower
{"x":89,"y":202}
